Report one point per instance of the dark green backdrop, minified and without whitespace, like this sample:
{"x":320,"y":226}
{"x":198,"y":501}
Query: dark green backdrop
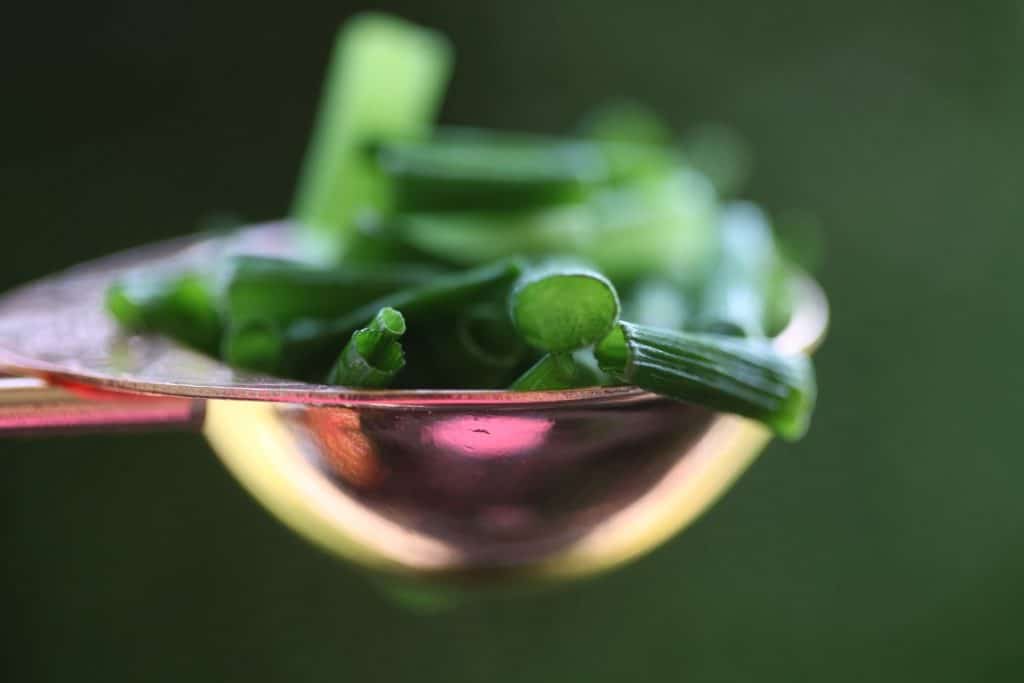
{"x":885,"y":546}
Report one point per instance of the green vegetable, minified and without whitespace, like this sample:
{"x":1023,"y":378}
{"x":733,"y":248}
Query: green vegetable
{"x":563,"y":306}
{"x":473,"y":235}
{"x":735,"y":298}
{"x":177,"y":304}
{"x":557,"y":371}
{"x":373,"y":356}
{"x":746,"y":377}
{"x":283,"y":291}
{"x":297,"y":348}
{"x":385,"y":81}
{"x":663,"y":225}
{"x":476,"y":169}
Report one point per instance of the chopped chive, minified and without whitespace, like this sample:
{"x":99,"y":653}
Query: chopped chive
{"x":302,"y":345}
{"x":181,"y":305}
{"x":557,"y":371}
{"x":563,"y":306}
{"x":743,"y":376}
{"x":283,"y":291}
{"x":466,"y":169}
{"x":373,"y":356}
{"x":385,"y":81}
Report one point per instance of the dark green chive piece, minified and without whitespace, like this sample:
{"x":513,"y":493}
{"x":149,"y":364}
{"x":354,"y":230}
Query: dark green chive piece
{"x":468,"y":169}
{"x":180,"y":305}
{"x":280,"y":290}
{"x":304,"y":345}
{"x":373,"y":355}
{"x":563,"y":306}
{"x":743,"y":376}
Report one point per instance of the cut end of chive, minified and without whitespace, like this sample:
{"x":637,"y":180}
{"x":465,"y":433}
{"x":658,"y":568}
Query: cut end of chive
{"x":564,"y":311}
{"x":390,"y":322}
{"x":124,"y":309}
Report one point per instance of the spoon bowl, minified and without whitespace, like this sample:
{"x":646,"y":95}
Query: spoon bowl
{"x":443,"y":485}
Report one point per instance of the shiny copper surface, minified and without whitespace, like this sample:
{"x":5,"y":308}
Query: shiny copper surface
{"x":481,"y":484}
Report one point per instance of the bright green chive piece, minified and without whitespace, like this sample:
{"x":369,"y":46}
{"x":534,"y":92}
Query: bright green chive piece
{"x":385,"y":81}
{"x":735,"y":298}
{"x":563,"y":307}
{"x":746,"y":377}
{"x":466,"y":169}
{"x":179,"y":305}
{"x":302,"y":345}
{"x":283,"y":291}
{"x":373,"y":355}
{"x":557,"y":371}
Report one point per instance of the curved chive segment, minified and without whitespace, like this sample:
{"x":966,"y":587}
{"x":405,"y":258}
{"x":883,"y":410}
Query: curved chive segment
{"x":280,"y":290}
{"x":557,"y":371}
{"x":563,"y":307}
{"x":469,"y":169}
{"x":301,"y":346}
{"x":746,"y":377}
{"x":385,"y":81}
{"x":179,"y":305}
{"x":735,"y":299}
{"x":373,"y":355}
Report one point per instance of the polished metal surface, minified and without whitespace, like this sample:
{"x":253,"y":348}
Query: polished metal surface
{"x":468,"y":485}
{"x":29,"y":405}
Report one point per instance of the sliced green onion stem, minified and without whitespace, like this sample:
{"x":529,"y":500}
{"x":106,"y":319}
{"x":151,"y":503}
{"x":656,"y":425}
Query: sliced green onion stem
{"x":563,"y":306}
{"x":373,"y":355}
{"x":743,"y":376}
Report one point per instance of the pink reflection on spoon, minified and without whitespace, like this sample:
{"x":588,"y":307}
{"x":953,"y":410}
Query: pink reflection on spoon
{"x":488,"y":437}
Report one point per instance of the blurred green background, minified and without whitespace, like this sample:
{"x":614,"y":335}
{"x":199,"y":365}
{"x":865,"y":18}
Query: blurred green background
{"x":885,"y":546}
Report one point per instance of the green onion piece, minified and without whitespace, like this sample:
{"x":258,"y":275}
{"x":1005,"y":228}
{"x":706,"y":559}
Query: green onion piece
{"x":373,"y":355}
{"x":661,"y":225}
{"x":283,"y":291}
{"x":299,"y":348}
{"x":563,"y":306}
{"x":467,"y":169}
{"x":557,"y":371}
{"x":385,"y":81}
{"x":735,"y":298}
{"x":746,"y":377}
{"x":181,"y":305}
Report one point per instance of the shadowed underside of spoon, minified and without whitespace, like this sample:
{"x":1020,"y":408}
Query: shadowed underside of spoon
{"x":439,"y":484}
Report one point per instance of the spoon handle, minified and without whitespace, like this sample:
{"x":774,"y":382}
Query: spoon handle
{"x":32,"y":406}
